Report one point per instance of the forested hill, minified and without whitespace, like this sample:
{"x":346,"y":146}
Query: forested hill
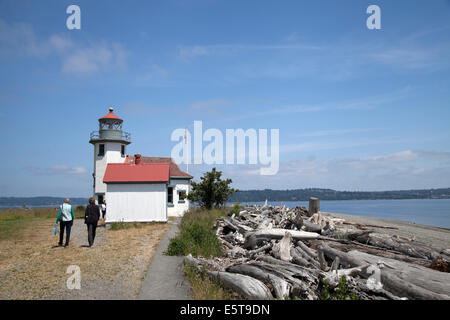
{"x":329,"y":194}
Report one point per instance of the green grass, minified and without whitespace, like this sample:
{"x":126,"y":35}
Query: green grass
{"x":204,"y":288}
{"x":197,"y":236}
{"x":14,"y":220}
{"x":341,"y":292}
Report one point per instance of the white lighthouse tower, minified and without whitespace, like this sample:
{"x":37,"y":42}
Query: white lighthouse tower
{"x":110,"y":144}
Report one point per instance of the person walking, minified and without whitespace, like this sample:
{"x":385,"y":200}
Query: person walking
{"x":92,"y":214}
{"x":104,"y":210}
{"x":65,"y":219}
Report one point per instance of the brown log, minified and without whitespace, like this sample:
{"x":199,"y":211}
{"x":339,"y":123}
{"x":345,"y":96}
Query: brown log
{"x":314,"y":206}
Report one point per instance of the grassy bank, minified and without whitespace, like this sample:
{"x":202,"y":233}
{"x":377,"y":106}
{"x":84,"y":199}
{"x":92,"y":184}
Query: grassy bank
{"x":204,"y":288}
{"x":14,"y":220}
{"x":196,"y":235}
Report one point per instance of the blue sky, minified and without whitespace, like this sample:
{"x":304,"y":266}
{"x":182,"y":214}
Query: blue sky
{"x":357,"y":109}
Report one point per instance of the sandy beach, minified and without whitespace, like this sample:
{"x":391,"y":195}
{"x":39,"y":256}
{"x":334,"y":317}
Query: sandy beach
{"x":430,"y":235}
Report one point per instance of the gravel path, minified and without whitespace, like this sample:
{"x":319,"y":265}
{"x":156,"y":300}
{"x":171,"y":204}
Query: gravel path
{"x":165,"y":278}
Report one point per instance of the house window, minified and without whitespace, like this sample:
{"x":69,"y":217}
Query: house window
{"x":170,"y":196}
{"x":181,"y":196}
{"x":101,"y":150}
{"x":122,"y":150}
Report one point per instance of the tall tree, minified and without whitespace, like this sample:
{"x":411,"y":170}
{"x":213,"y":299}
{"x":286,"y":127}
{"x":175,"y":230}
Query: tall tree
{"x":211,"y":190}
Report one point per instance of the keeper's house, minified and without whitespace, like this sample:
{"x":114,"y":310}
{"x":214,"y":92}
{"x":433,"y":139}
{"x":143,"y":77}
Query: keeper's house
{"x":135,"y":188}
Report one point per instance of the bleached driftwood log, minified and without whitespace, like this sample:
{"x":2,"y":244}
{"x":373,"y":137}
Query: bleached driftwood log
{"x":398,"y":277}
{"x":311,"y":252}
{"x":312,"y":227}
{"x":312,"y":262}
{"x":377,"y":252}
{"x":282,"y":249}
{"x":414,"y":281}
{"x":410,"y":248}
{"x":304,"y":281}
{"x":248,"y":287}
{"x":252,"y":238}
{"x":280,"y":286}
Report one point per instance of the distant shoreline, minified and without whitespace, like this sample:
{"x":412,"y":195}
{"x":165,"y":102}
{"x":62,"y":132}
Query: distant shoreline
{"x":333,"y":195}
{"x":77,"y":203}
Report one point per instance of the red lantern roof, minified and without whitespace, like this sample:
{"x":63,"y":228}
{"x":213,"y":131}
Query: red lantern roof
{"x":110,"y":115}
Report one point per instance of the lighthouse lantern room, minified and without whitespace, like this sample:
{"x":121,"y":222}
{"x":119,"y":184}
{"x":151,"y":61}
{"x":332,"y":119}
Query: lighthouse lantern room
{"x":110,"y":144}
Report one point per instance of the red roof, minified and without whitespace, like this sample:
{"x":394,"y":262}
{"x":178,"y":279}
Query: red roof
{"x":175,"y":171}
{"x":110,"y":115}
{"x":143,"y":172}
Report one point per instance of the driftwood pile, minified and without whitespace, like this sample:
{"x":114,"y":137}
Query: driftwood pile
{"x":282,"y":253}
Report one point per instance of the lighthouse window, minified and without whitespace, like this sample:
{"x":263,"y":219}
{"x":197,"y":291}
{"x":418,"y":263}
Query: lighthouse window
{"x":170,"y":195}
{"x":181,"y":196}
{"x":122,"y":150}
{"x":101,"y":150}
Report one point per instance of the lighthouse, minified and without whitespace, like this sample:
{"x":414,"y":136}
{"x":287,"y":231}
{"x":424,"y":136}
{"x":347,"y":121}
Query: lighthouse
{"x":110,"y":144}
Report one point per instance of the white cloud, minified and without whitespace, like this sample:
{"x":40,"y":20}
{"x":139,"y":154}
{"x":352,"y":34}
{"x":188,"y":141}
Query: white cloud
{"x":75,"y":57}
{"x":401,"y":156}
{"x":405,"y":169}
{"x":324,"y":133}
{"x":99,"y":57}
{"x":59,"y":170}
{"x":227,"y":49}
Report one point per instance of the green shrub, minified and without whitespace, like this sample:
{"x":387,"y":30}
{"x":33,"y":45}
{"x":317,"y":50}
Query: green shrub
{"x":235,"y":209}
{"x":196,"y":239}
{"x":197,"y":236}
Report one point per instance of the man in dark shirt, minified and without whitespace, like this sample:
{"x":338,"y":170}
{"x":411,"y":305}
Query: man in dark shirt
{"x":92,"y":214}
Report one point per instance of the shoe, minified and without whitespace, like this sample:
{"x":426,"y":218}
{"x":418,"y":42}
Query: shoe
{"x":66,"y":245}
{"x":59,"y":244}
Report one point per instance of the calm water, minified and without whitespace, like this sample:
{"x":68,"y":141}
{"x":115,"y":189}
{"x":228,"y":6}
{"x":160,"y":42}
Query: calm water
{"x":431,"y":212}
